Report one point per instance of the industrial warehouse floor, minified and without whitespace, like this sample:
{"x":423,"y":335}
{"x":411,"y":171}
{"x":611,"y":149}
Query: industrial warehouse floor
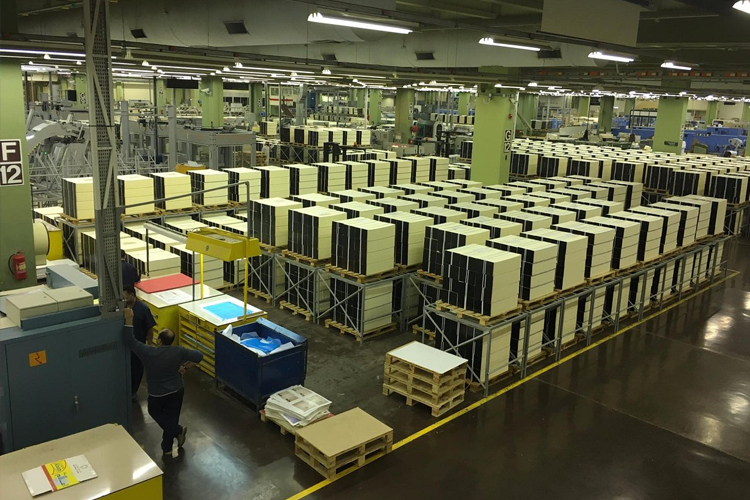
{"x":661,"y":411}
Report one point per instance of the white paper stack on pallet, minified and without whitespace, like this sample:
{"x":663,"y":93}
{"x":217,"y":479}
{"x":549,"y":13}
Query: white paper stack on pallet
{"x":270,"y":220}
{"x":331,"y":177}
{"x":366,"y":311}
{"x":442,"y":215}
{"x":303,"y":179}
{"x":586,"y":304}
{"x":454,"y":196}
{"x":523,"y":163}
{"x":568,"y":316}
{"x":363,"y":246}
{"x":650,"y":235}
{"x":529,"y":200}
{"x":634,"y":191}
{"x":505,"y":190}
{"x":464,"y":183}
{"x":474,"y":209}
{"x":659,"y":177}
{"x":438,"y":168}
{"x":688,"y":221}
{"x":160,"y":262}
{"x":135,"y":188}
{"x":348,"y":195}
{"x":383,"y":191}
{"x":310,"y":231}
{"x":704,"y":212}
{"x":553,"y":198}
{"x":527,"y":187}
{"x":608,"y":207}
{"x":297,"y":405}
{"x":558,"y":215}
{"x":354,"y":209}
{"x":574,"y":194}
{"x":169,"y":184}
{"x":274,"y":182}
{"x":692,"y":181}
{"x":502,"y":206}
{"x":585,"y":179}
{"x":316,"y":200}
{"x":627,"y":237}
{"x":718,"y":213}
{"x":599,"y":249}
{"x":184,"y":223}
{"x":241,"y":174}
{"x":571,"y":255}
{"x":425,"y":200}
{"x":378,"y":172}
{"x":549,"y":184}
{"x":582,"y":211}
{"x":410,"y":188}
{"x":209,"y":179}
{"x":420,"y":168}
{"x":632,"y":171}
{"x":213,"y":268}
{"x":400,"y":172}
{"x":538,"y":264}
{"x":457,"y":172}
{"x":497,"y":227}
{"x":527,"y":220}
{"x":443,"y":237}
{"x":439,"y":186}
{"x":482,"y":279}
{"x":597,"y":193}
{"x":481,"y":193}
{"x":569,"y":181}
{"x":615,"y":192}
{"x":410,"y":236}
{"x":356,"y":174}
{"x":390,"y":205}
{"x":670,"y":228}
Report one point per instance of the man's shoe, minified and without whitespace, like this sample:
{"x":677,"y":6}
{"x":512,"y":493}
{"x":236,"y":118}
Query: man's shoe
{"x":167,"y":454}
{"x":181,"y":437}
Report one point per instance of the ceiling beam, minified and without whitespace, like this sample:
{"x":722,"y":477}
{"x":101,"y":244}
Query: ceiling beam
{"x":535,"y":5}
{"x":448,"y":8}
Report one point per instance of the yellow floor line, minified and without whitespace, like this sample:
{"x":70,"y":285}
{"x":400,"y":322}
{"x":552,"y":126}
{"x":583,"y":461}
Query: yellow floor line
{"x":312,"y":489}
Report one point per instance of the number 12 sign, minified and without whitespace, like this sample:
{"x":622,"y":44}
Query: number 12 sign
{"x":11,"y":163}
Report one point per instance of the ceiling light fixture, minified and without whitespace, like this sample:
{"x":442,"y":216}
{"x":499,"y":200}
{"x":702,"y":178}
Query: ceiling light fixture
{"x":226,"y":68}
{"x":490,"y":41}
{"x":238,"y":64}
{"x":317,"y":17}
{"x":40,"y":52}
{"x":501,"y":86}
{"x":533,"y":84}
{"x":611,"y":57}
{"x":326,"y":71}
{"x":145,"y":63}
{"x":673,"y":65}
{"x":743,"y":6}
{"x":79,"y":63}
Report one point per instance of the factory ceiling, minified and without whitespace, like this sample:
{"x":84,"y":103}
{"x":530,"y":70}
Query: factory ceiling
{"x":708,"y":36}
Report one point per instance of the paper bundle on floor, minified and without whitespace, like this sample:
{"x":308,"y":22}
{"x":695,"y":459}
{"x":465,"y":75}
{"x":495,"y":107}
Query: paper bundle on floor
{"x":378,"y":172}
{"x":670,"y":228}
{"x":599,"y":249}
{"x":538,"y":264}
{"x":528,"y":200}
{"x":410,"y":236}
{"x":425,"y":200}
{"x":356,"y":174}
{"x":316,"y":200}
{"x":347,"y":195}
{"x":394,"y":204}
{"x":574,"y":194}
{"x":400,"y":172}
{"x":441,"y":215}
{"x":571,"y":255}
{"x":634,"y":191}
{"x":310,"y":231}
{"x":582,"y":211}
{"x":170,"y":184}
{"x":482,"y":279}
{"x":209,"y":179}
{"x":135,"y":188}
{"x":528,"y":220}
{"x":718,"y":213}
{"x":454,"y":196}
{"x":608,"y":207}
{"x":303,"y":179}
{"x":497,"y":227}
{"x":650,"y":235}
{"x":363,"y":246}
{"x":627,"y":237}
{"x":688,"y":221}
{"x":270,"y":220}
{"x":383,"y":191}
{"x":410,"y":188}
{"x":558,"y":215}
{"x":443,"y":237}
{"x":331,"y":177}
{"x":297,"y":405}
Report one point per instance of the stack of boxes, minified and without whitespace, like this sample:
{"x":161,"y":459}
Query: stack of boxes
{"x":310,"y":231}
{"x":650,"y":235}
{"x":303,"y":179}
{"x":170,"y":184}
{"x":358,"y":209}
{"x":331,"y":177}
{"x":410,"y":236}
{"x":571,"y":256}
{"x":441,"y":238}
{"x":627,"y":237}
{"x":209,"y":179}
{"x":363,"y":246}
{"x":357,"y":174}
{"x":270,"y":220}
{"x":135,"y":188}
{"x":599,"y":249}
{"x":78,"y":197}
{"x":538,"y":264}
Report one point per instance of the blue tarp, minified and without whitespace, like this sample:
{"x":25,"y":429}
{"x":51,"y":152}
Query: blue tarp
{"x":225,"y":310}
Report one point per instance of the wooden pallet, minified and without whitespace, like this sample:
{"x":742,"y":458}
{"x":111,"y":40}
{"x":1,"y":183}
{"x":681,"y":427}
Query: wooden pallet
{"x":73,"y":220}
{"x":361,"y":278}
{"x":635,"y":267}
{"x":343,"y":329}
{"x":271,"y":248}
{"x":416,"y":329}
{"x":127,"y":217}
{"x":531,"y":304}
{"x":407,"y":269}
{"x":572,"y":290}
{"x":601,"y":278}
{"x":260,"y":295}
{"x":328,"y":467}
{"x":295,"y":309}
{"x":206,"y":208}
{"x":414,"y":372}
{"x":305,"y":259}
{"x":175,"y":211}
{"x":284,"y":426}
{"x":429,"y":276}
{"x":226,"y":287}
{"x":479,"y":318}
{"x":511,"y":370}
{"x":413,"y":393}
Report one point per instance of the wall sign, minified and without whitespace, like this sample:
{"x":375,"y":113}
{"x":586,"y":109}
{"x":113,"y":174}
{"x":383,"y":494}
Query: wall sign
{"x":670,"y":143}
{"x":508,"y":141}
{"x":11,"y":163}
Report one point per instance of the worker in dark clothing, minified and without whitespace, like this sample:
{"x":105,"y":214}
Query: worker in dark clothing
{"x":165,"y":364}
{"x":130,"y":275}
{"x":143,"y":330}
{"x":585,"y":135}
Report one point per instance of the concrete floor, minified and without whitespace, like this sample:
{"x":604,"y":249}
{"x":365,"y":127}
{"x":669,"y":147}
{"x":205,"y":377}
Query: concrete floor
{"x":661,"y":411}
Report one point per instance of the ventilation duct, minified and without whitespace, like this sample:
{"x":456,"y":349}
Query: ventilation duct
{"x":138,"y":33}
{"x":235,"y":27}
{"x":425,"y":56}
{"x":549,"y":54}
{"x":329,"y":57}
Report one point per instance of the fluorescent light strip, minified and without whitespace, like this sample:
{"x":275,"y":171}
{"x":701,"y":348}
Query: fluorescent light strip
{"x":366,"y":76}
{"x":501,"y":86}
{"x":41,"y":52}
{"x":317,"y":17}
{"x":671,"y":65}
{"x":490,"y":41}
{"x":610,"y":57}
{"x":742,"y":6}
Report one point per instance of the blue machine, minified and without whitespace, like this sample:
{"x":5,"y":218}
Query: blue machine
{"x":255,"y":377}
{"x":61,"y":379}
{"x":716,"y":138}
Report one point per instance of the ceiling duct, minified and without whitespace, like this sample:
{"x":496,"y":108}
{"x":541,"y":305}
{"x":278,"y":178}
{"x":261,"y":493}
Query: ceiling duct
{"x":329,"y":57}
{"x":425,"y":56}
{"x":549,"y":54}
{"x":235,"y":27}
{"x":138,"y":33}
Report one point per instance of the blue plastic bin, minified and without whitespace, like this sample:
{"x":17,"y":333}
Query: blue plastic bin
{"x":255,"y":377}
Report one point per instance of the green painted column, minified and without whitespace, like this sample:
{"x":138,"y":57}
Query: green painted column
{"x":15,"y":201}
{"x":629,"y":107}
{"x":119,"y":91}
{"x":404,"y":109}
{"x":256,"y":95}
{"x":745,"y":113}
{"x":81,"y":84}
{"x":606,"y":113}
{"x":584,"y":105}
{"x":361,"y":97}
{"x":163,"y":97}
{"x":670,"y":124}
{"x":712,"y":112}
{"x":490,"y":163}
{"x":527,"y":104}
{"x":463,"y":103}
{"x":212,"y":105}
{"x":376,"y":98}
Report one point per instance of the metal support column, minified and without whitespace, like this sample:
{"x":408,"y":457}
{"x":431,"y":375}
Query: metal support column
{"x":172,"y":126}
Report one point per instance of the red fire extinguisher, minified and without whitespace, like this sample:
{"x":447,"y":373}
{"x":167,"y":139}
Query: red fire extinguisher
{"x":17,"y":264}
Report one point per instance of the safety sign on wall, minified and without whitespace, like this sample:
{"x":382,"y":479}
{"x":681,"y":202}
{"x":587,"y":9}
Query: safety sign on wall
{"x":508,"y":140}
{"x":11,"y":163}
